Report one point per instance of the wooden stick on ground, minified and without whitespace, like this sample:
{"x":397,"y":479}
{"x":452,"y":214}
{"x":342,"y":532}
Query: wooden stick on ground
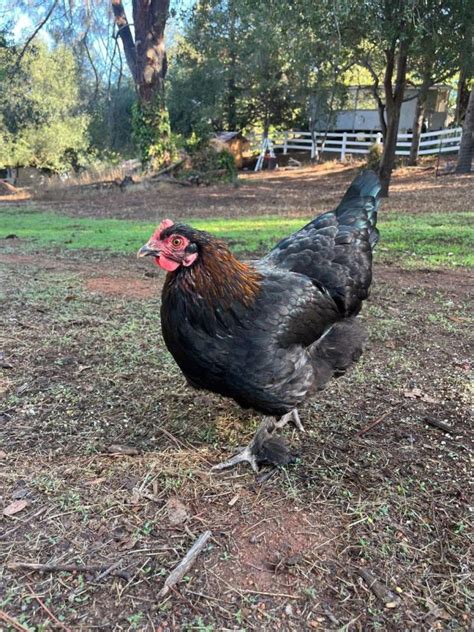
{"x":434,"y":423}
{"x":389,"y":599}
{"x":103,"y":569}
{"x":16,"y":625}
{"x":373,"y":423}
{"x":52,"y":617}
{"x":168,"y":168}
{"x":186,"y":563}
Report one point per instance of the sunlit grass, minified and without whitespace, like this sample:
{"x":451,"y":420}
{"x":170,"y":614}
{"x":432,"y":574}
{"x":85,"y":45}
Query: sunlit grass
{"x":429,"y":240}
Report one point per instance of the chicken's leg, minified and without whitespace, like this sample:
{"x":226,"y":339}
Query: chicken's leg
{"x":294,"y":416}
{"x":264,"y":445}
{"x":250,"y":453}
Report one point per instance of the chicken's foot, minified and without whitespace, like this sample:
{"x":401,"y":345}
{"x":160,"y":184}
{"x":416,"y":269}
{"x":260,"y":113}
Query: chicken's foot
{"x":246,"y":456}
{"x":253,"y":453}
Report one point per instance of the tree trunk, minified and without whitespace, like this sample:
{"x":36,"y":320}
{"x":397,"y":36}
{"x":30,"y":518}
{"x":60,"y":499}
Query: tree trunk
{"x":418,"y":119}
{"x":146,"y":58}
{"x":149,"y":17}
{"x":231,"y":81}
{"x":393,"y":105}
{"x":462,"y":98}
{"x":390,"y":144}
{"x":466,"y":150}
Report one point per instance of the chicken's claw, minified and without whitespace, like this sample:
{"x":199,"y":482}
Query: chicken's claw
{"x":246,"y":456}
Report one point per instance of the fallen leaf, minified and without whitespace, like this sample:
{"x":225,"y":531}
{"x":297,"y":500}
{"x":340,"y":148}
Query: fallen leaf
{"x":15,"y":507}
{"x":95,"y":481}
{"x":437,"y":611}
{"x":233,"y":500}
{"x":177,"y":512}
{"x":122,"y":449}
{"x":415,"y":393}
{"x":3,"y":455}
{"x":20,"y":492}
{"x":135,"y":497}
{"x":3,"y":363}
{"x":127,"y":544}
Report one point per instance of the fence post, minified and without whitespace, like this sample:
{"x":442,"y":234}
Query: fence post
{"x":343,"y":147}
{"x":378,"y":138}
{"x":285,"y":143}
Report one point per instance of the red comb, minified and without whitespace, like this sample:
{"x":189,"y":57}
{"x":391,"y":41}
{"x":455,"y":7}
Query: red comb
{"x":166,"y":223}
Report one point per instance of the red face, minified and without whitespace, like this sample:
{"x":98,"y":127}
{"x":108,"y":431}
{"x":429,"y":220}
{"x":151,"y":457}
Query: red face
{"x":169,"y":249}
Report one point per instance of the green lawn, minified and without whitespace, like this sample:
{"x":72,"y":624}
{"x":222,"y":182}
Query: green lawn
{"x":423,"y":240}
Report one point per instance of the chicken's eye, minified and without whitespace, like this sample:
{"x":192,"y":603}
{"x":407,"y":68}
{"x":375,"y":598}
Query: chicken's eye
{"x":176,"y":242}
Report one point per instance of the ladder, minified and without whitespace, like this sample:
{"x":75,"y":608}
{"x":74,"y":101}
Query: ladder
{"x":267,"y":146}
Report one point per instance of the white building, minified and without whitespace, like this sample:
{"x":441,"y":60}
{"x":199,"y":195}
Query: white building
{"x":361,"y":113}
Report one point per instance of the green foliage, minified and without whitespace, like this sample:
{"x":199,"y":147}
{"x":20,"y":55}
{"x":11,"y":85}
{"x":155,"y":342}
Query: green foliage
{"x":110,"y":114}
{"x":152,"y":134}
{"x":41,"y":122}
{"x":213,"y":165}
{"x":431,"y":240}
{"x":232,"y":69}
{"x":374,"y":156}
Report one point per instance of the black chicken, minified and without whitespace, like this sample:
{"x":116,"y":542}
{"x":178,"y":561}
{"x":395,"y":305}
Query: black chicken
{"x":273,"y":333}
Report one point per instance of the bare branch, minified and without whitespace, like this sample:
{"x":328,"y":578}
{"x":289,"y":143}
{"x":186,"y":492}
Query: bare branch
{"x":94,"y":69}
{"x":34,"y":34}
{"x":125,"y":35}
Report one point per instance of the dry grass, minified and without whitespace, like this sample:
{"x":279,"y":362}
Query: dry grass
{"x":299,"y":192}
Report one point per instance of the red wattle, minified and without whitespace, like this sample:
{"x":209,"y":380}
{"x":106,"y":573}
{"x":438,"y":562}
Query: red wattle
{"x":167,"y":264}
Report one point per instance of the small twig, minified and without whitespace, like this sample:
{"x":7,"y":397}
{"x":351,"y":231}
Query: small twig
{"x":247,"y":591}
{"x":373,"y":424}
{"x":109,"y":571}
{"x":48,"y":611}
{"x":383,"y":593}
{"x":439,"y":424}
{"x":265,"y":476}
{"x":168,"y":434}
{"x":11,"y":621}
{"x":69,"y":568}
{"x":186,"y":563}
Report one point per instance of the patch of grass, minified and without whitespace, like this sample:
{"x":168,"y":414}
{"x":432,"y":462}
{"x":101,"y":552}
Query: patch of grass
{"x":431,"y":240}
{"x":435,"y":240}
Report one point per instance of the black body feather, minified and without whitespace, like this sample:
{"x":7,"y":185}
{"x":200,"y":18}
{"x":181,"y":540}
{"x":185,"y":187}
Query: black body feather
{"x":271,"y":334}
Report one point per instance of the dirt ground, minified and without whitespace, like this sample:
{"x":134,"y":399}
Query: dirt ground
{"x":306,"y":191}
{"x":105,"y":454}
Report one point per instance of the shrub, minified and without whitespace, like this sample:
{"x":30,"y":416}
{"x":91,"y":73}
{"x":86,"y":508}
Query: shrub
{"x":374,"y":156}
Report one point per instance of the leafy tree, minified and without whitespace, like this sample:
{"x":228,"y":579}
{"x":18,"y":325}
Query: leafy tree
{"x":147,"y":61}
{"x":254,"y":62}
{"x":42,"y":124}
{"x":434,"y":59}
{"x":399,"y":40}
{"x":464,"y":46}
{"x":386,"y":30}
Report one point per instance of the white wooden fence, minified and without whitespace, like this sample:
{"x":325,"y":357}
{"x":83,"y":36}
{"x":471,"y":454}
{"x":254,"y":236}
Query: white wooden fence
{"x":343,"y":143}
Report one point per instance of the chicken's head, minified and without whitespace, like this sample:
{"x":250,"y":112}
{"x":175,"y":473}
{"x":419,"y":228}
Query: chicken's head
{"x":172,"y":246}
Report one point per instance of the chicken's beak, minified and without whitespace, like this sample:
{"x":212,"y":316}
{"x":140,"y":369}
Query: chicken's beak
{"x":146,"y":251}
